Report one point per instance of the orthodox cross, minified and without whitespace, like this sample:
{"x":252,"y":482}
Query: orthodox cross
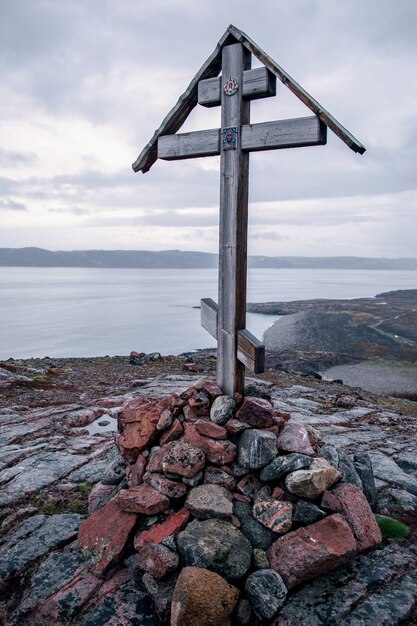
{"x":237,"y":348}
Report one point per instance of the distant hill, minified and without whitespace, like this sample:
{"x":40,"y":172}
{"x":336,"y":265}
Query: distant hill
{"x":177,"y":259}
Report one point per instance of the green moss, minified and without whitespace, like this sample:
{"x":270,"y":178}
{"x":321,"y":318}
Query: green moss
{"x":84,"y":489}
{"x":392,"y":528}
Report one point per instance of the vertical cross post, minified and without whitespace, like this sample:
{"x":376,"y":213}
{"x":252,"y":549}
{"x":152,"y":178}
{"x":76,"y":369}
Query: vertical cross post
{"x":234,"y":182}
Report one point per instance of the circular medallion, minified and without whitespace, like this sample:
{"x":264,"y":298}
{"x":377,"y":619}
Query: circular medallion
{"x":230,"y":86}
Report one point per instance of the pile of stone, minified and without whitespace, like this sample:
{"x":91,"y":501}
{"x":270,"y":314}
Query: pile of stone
{"x":224,"y":505}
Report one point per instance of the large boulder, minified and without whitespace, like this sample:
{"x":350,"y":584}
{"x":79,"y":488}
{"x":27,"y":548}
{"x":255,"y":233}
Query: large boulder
{"x":216,"y":545}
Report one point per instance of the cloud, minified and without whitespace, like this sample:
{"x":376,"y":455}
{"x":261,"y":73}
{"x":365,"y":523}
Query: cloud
{"x":11,"y":205}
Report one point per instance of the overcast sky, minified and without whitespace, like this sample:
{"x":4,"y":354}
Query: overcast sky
{"x":85,"y":83}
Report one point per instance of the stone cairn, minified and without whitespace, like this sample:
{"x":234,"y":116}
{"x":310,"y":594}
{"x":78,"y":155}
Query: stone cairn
{"x":226,"y":505}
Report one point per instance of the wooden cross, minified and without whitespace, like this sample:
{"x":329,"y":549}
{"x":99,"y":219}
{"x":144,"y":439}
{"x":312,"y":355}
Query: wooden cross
{"x":237,"y":348}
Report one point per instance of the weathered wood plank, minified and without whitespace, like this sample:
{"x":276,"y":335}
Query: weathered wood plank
{"x":209,"y":316}
{"x":234,"y":178}
{"x":257,"y":83}
{"x":200,"y":143}
{"x":185,"y":104}
{"x":251,"y":351}
{"x":298,"y":91}
{"x":295,"y":133}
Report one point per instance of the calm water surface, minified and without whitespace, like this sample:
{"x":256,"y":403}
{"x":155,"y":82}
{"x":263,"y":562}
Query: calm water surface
{"x":62,"y":312}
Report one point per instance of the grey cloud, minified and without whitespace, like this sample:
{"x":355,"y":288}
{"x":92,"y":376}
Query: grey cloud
{"x":11,"y":205}
{"x":273,"y":236}
{"x":12,"y":157}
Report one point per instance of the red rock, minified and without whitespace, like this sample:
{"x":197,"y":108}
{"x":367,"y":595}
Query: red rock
{"x":188,"y":414}
{"x":137,"y":424}
{"x":143,"y":499}
{"x":177,"y":457}
{"x":279,"y":421}
{"x":218,"y":452}
{"x":173,"y":433}
{"x":209,"y":429}
{"x":241,"y":497}
{"x":157,"y":560}
{"x":177,"y":404}
{"x":284,"y":414}
{"x":313,"y":550}
{"x":295,"y":438}
{"x":135,"y":472}
{"x":166,"y":486}
{"x":103,"y":536}
{"x":235,"y":426}
{"x":256,"y":412}
{"x":190,"y":367}
{"x":278,"y":493}
{"x":136,"y":356}
{"x":165,"y":420}
{"x":273,"y":514}
{"x":202,"y":598}
{"x":218,"y":476}
{"x":249,"y":485}
{"x":209,"y":386}
{"x":200,"y":403}
{"x":352,"y":503}
{"x":158,"y":532}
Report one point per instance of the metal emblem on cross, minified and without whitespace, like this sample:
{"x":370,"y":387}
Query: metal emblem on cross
{"x":237,"y":348}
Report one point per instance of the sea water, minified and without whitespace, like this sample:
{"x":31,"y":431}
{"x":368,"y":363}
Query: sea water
{"x":64,"y":312}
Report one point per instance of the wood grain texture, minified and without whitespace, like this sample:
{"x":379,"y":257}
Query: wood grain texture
{"x":209,"y":316}
{"x":201,"y":143}
{"x":251,"y":352}
{"x":257,"y":83}
{"x":298,"y":91}
{"x":234,"y":180}
{"x":295,"y":133}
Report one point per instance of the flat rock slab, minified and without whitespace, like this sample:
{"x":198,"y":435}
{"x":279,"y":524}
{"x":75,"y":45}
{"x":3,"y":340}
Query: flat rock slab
{"x":312,"y":551}
{"x":34,"y":538}
{"x":32,"y":475}
{"x":104,"y":534}
{"x":143,"y":499}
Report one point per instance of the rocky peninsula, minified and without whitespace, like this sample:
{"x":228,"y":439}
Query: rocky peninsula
{"x":366,"y":342}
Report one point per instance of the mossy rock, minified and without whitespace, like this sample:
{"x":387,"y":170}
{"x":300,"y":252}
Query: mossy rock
{"x":392,"y":528}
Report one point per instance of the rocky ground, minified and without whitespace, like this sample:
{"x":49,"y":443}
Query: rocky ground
{"x":57,"y":422}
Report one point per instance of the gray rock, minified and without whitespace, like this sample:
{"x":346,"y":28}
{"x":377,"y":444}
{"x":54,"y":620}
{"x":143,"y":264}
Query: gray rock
{"x":348,"y":471}
{"x":258,"y":535}
{"x":266,"y":592}
{"x":386,"y":469}
{"x":396,"y":501}
{"x":215,"y":545}
{"x":193,"y":481}
{"x":256,"y":390}
{"x":363,"y":465}
{"x":57,"y":570}
{"x":256,"y":448}
{"x":222,"y":410}
{"x":209,"y":501}
{"x":407,"y":460}
{"x":306,"y":513}
{"x":114,"y":472}
{"x":34,"y":538}
{"x":243,"y":614}
{"x":161,"y":592}
{"x":330,"y":453}
{"x":283,"y":465}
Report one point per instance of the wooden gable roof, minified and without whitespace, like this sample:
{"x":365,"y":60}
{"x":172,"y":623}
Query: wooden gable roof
{"x":211,"y":68}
